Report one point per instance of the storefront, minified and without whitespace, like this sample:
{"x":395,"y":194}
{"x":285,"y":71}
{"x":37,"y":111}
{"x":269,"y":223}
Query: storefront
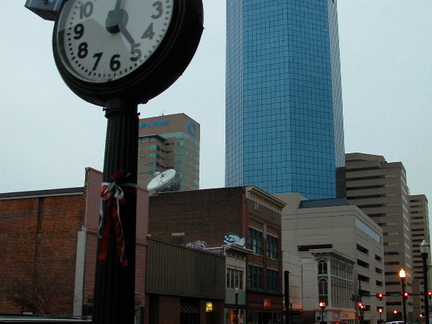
{"x":267,"y":309}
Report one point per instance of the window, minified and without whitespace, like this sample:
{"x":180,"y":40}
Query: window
{"x":272,"y":247}
{"x":272,"y":280}
{"x":234,"y":279}
{"x":323,"y":290}
{"x":255,"y":278}
{"x":322,"y":267}
{"x":255,"y":241}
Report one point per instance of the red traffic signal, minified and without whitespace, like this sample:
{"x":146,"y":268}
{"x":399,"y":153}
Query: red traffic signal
{"x":380,"y":296}
{"x":361,"y":305}
{"x":406,"y":294}
{"x":429,"y":293}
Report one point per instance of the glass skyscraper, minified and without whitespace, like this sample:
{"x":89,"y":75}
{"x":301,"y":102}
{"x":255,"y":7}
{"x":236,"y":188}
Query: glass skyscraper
{"x":284,"y":127}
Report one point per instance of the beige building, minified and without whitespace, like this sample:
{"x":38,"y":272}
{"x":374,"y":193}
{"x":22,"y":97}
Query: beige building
{"x":419,"y":216}
{"x":334,"y":253}
{"x":380,"y":190}
{"x":169,"y":142}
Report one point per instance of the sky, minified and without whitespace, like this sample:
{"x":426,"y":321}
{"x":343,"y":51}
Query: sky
{"x":49,"y":136}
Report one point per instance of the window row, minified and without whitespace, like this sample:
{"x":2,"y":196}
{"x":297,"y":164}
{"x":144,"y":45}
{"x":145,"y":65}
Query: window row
{"x":255,"y":243}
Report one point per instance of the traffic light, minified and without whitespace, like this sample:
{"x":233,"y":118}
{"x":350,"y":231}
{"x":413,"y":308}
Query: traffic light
{"x":406,"y":294}
{"x":361,"y":306}
{"x":380,"y":296}
{"x":430,"y":293}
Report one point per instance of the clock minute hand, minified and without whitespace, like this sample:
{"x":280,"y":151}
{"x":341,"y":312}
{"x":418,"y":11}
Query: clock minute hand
{"x":126,"y":33}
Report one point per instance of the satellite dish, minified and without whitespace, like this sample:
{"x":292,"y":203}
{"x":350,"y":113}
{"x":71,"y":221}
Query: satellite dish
{"x":162,"y":180}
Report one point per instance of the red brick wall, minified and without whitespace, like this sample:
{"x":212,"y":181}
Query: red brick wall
{"x":206,"y":215}
{"x":38,"y":237}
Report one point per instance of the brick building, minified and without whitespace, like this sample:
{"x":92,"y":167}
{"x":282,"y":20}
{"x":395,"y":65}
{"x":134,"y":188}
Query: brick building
{"x":48,"y":242}
{"x":207,"y":217}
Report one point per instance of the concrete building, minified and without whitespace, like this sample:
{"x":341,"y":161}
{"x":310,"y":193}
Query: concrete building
{"x":169,"y":142}
{"x":334,"y":253}
{"x":236,"y":270}
{"x":284,"y":127}
{"x":246,"y":216}
{"x":420,"y":230}
{"x":380,"y":190}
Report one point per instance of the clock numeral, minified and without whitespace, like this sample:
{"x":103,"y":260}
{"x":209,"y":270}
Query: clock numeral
{"x":159,"y":7}
{"x":136,"y":52}
{"x":82,"y":50}
{"x":86,"y":9}
{"x":149,"y":33}
{"x":115,"y":63}
{"x":98,"y":57}
{"x":79,"y":31}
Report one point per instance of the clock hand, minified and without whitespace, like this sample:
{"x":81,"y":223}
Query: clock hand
{"x":117,"y":5}
{"x":126,"y":33}
{"x":116,"y":22}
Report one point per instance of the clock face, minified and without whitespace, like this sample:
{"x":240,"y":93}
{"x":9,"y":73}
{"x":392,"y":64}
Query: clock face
{"x":104,"y":40}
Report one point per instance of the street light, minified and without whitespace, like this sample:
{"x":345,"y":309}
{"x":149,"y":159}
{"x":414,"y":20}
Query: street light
{"x":424,"y":249}
{"x":380,"y":310}
{"x":361,"y":308}
{"x":322,"y":305}
{"x":236,"y":309}
{"x":402,"y":276}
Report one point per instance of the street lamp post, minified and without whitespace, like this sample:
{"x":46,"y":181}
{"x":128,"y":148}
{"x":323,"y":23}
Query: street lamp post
{"x":362,"y":308}
{"x":380,"y":310}
{"x":236,"y":309}
{"x":424,"y":249}
{"x":402,"y":276}
{"x":322,"y":305}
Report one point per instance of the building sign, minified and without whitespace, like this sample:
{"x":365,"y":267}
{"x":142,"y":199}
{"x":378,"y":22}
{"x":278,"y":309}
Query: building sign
{"x":155,"y":123}
{"x":191,"y":128}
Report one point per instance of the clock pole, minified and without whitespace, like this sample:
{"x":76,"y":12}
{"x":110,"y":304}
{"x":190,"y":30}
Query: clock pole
{"x":114,"y":291}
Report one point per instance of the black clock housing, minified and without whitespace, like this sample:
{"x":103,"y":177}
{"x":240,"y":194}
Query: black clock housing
{"x":157,"y":73}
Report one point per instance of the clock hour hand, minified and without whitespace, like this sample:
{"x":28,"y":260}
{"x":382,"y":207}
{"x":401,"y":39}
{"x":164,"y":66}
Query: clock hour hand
{"x":116,"y":22}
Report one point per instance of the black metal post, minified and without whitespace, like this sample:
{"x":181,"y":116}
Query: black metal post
{"x":425,"y":287}
{"x":403,"y":300}
{"x":287,"y":298}
{"x":236,"y":305}
{"x":114,"y":291}
{"x":322,"y":305}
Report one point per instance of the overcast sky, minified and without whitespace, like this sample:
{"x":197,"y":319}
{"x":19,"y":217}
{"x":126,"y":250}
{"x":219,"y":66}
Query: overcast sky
{"x":48,"y":135}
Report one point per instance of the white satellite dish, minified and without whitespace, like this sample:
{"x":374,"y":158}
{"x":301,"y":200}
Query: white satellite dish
{"x":162,"y":180}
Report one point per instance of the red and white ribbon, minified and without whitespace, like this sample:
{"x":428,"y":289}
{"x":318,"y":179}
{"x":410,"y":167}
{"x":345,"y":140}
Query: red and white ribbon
{"x":114,"y":197}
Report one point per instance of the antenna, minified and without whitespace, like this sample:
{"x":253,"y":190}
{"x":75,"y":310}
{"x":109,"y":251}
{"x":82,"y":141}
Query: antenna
{"x":162,"y":180}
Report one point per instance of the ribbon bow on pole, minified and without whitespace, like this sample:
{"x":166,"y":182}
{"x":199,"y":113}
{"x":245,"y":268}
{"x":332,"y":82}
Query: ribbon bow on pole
{"x":113,"y":194}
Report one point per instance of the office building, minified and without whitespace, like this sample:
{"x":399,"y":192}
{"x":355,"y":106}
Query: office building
{"x":284,"y":127}
{"x":333,"y":245}
{"x":169,"y":142}
{"x":419,"y":217}
{"x":245,"y":216}
{"x":379,"y":188}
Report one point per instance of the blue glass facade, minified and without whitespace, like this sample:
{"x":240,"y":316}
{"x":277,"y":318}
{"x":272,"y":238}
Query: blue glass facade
{"x":284,"y":128}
